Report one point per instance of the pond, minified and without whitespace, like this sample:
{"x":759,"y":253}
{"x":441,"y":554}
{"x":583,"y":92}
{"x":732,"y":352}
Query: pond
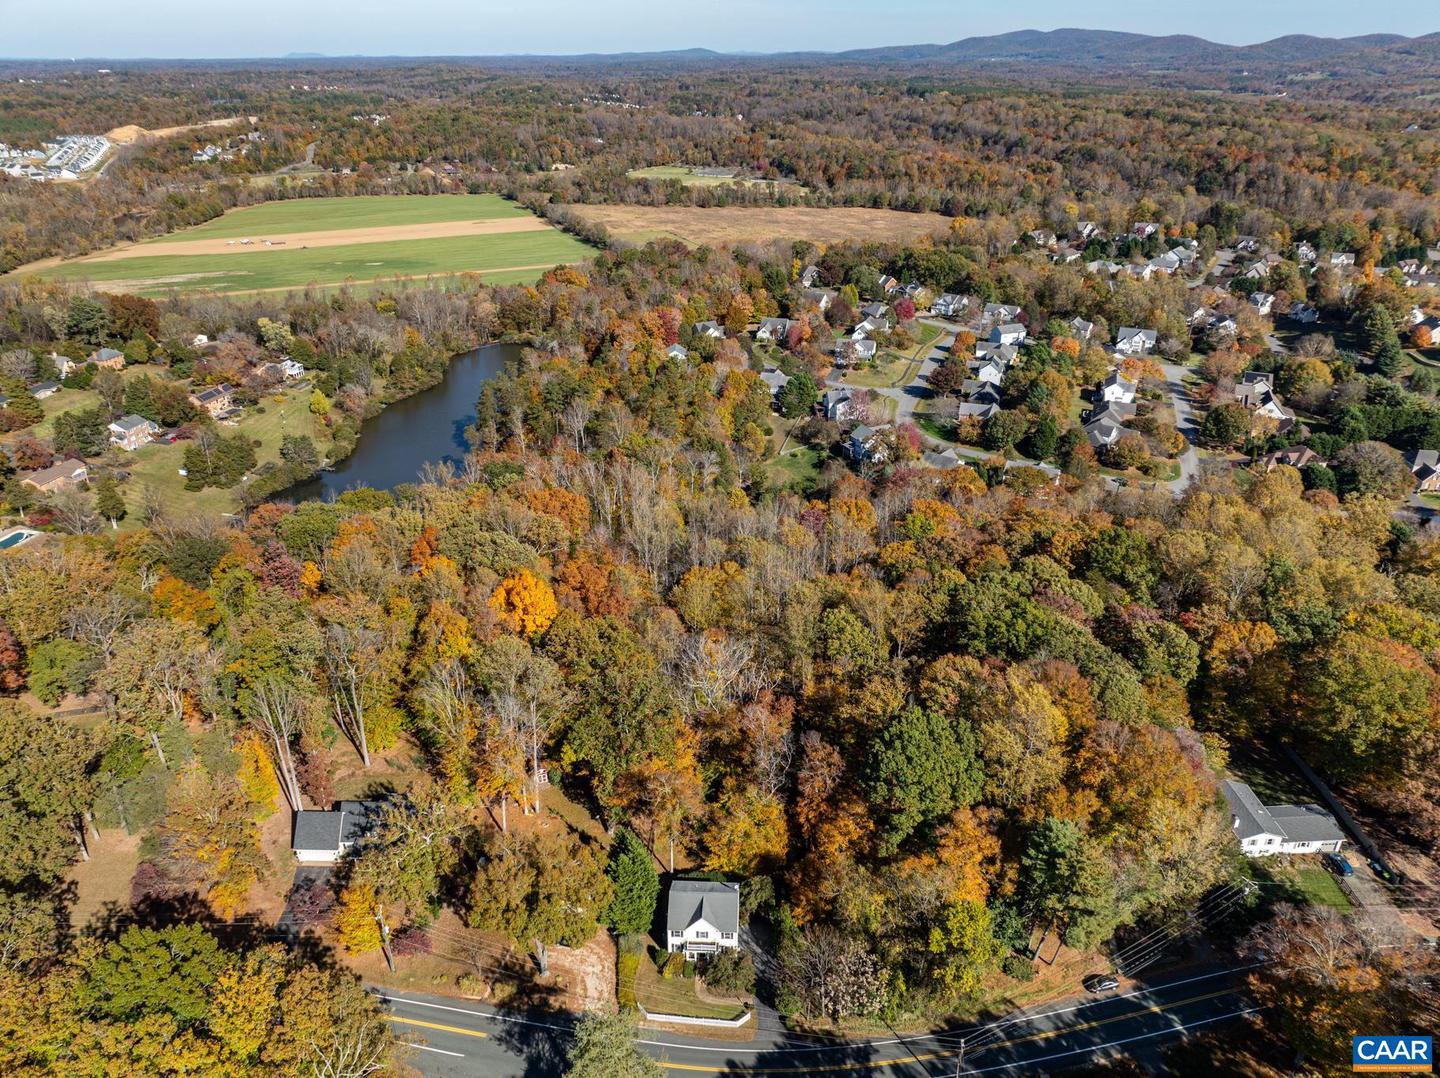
{"x":428,"y":427}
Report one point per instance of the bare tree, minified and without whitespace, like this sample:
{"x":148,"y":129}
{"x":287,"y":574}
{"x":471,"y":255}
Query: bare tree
{"x":74,"y":512}
{"x":277,"y":712}
{"x":350,"y":650}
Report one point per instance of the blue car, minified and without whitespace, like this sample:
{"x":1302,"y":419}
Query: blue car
{"x":1339,"y":865}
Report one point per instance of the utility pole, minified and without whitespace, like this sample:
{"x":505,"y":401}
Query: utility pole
{"x":384,"y":936}
{"x":960,"y":1059}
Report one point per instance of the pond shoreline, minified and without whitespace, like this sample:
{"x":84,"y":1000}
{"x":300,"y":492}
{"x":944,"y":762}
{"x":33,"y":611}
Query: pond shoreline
{"x":427,"y":427}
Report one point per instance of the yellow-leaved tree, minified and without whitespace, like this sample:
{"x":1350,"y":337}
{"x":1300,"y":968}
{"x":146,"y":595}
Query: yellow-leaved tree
{"x":525,"y":603}
{"x":355,"y":920}
{"x":256,"y":774}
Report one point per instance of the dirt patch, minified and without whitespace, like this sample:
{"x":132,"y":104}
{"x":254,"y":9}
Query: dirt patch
{"x":735,"y":224}
{"x":104,"y":880}
{"x":128,"y":133}
{"x":294,"y":241}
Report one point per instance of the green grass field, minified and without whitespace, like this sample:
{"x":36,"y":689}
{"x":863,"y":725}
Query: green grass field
{"x":257,"y":271}
{"x":503,"y":257}
{"x":321,"y":214}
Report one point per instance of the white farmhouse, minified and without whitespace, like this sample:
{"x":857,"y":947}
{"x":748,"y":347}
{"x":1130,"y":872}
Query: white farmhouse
{"x":702,"y":917}
{"x":1264,"y":831}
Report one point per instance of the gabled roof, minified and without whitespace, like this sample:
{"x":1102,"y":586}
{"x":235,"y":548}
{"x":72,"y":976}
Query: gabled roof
{"x":1294,"y":823}
{"x":717,"y":904}
{"x":334,"y":830}
{"x":132,"y":422}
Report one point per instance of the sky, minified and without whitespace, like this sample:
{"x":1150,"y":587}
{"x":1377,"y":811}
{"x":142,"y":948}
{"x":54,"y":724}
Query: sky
{"x":245,"y":28}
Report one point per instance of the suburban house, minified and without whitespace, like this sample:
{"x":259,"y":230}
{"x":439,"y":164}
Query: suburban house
{"x":988,"y":370}
{"x":981,"y":392}
{"x":888,"y":284}
{"x":701,"y":917}
{"x":976,"y":409}
{"x":1103,"y":432}
{"x":851,"y":350}
{"x":1131,"y":341}
{"x":1081,"y":328}
{"x":1256,"y":392}
{"x":132,"y":431}
{"x":839,"y":404}
{"x":713,"y":330}
{"x":108,"y":358}
{"x":1341,"y":259}
{"x":1306,"y":252}
{"x":1143,"y":230}
{"x":1263,"y":302}
{"x":821,"y":297}
{"x":950,"y":305}
{"x":776,"y":379}
{"x":200,"y":340}
{"x":1001,"y":353}
{"x":323,"y":837}
{"x":1086,"y":230}
{"x":1008,"y":333}
{"x":1117,"y":387}
{"x":1043,"y":237}
{"x":808,"y":275}
{"x":868,"y":443}
{"x":217,"y":400}
{"x":1303,"y":312}
{"x":995,"y":313}
{"x":773,"y":329}
{"x":1425,"y":467}
{"x":869,"y":326}
{"x":677,"y":351}
{"x":41,"y":390}
{"x":875,"y":310}
{"x":1297,"y":456}
{"x":1263,"y":831}
{"x":62,"y":475}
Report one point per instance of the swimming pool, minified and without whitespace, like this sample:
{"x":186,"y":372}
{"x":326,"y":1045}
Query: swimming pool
{"x":15,"y":538}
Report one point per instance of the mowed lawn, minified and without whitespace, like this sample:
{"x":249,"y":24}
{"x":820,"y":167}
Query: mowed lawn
{"x":255,"y":271}
{"x":377,"y":211}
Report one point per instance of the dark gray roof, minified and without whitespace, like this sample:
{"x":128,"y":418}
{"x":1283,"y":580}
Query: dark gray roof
{"x":347,"y":823}
{"x":703,"y":900}
{"x":1305,"y":823}
{"x":317,"y":831}
{"x":1294,"y":823}
{"x":1251,"y":819}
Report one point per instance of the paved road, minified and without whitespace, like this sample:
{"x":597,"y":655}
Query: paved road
{"x":463,"y":1040}
{"x":1185,"y":423}
{"x":906,"y":397}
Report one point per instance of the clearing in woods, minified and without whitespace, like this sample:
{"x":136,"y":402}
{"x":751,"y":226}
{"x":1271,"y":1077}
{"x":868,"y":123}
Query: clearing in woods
{"x":737,"y":224}
{"x":328,"y":241}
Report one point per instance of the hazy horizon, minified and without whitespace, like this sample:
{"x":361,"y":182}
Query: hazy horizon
{"x":270,"y":29}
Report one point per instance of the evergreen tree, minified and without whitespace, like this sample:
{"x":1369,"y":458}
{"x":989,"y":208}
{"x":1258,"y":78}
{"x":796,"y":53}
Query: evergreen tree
{"x":108,"y":502}
{"x":637,"y":885}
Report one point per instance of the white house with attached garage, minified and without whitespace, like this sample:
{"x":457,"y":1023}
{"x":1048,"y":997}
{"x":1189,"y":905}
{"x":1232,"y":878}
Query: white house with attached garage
{"x":702,"y":917}
{"x":1266,"y":830}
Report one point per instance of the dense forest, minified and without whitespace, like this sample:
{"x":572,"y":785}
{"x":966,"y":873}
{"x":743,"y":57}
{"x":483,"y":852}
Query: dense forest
{"x":872,"y":137}
{"x":920,"y":715}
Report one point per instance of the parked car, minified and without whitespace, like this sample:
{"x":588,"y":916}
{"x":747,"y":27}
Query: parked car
{"x":1100,"y":982}
{"x":1338,"y":865}
{"x":1381,"y":869}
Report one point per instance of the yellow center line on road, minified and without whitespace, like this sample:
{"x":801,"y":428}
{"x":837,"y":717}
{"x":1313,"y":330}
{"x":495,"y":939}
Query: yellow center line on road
{"x":435,"y":1025}
{"x":872,"y":1064}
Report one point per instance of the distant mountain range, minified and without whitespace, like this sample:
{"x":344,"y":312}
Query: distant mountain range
{"x":1110,"y":48}
{"x":1069,"y":48}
